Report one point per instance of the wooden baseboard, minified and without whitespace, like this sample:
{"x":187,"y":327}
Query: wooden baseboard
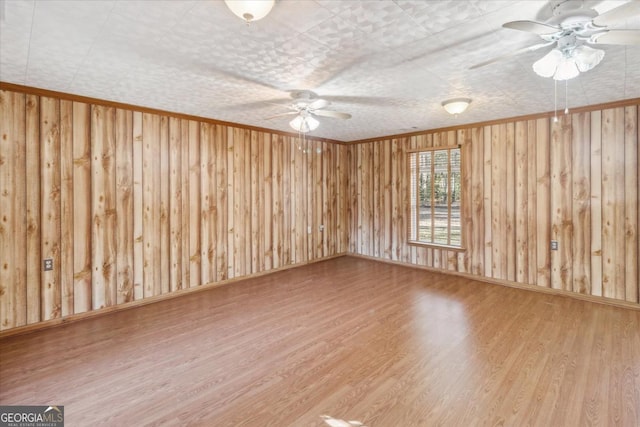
{"x":134,"y":304}
{"x":510,"y":284}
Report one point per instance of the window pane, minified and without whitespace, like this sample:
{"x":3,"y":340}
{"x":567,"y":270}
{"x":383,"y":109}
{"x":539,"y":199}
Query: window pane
{"x":441,"y":197}
{"x":414,"y":197}
{"x":456,"y":228}
{"x":435,"y":197}
{"x":425,"y":197}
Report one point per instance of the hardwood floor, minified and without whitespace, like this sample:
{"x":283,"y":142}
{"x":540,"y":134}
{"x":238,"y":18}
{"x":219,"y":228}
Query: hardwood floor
{"x":351,"y":338}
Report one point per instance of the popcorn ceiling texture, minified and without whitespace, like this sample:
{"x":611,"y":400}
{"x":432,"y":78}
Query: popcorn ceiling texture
{"x":388,"y":63}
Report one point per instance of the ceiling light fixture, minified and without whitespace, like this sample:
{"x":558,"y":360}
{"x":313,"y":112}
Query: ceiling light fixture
{"x":250,"y":10}
{"x":456,"y":106}
{"x":304,"y":123}
{"x":568,"y":60}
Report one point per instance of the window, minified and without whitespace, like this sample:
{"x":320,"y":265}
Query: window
{"x":435,"y":197}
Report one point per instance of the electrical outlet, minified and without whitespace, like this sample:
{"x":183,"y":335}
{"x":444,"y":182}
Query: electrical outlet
{"x":309,"y":230}
{"x":554,"y":245}
{"x":48,"y":264}
{"x":321,"y":228}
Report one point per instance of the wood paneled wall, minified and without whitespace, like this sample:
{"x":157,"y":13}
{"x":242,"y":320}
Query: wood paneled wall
{"x":525,"y":183}
{"x":131,"y":205}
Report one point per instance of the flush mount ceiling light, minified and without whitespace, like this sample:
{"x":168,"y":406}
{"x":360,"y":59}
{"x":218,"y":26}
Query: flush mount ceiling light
{"x":304,"y":123}
{"x":456,"y":106}
{"x":250,"y":10}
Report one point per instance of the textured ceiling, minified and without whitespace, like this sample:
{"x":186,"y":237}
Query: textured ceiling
{"x":388,"y":63}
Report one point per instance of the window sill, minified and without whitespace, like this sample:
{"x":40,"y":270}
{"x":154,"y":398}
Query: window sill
{"x":437,"y":246}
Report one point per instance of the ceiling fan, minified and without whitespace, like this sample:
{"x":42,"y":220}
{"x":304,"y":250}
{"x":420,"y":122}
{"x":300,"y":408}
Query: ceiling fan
{"x":570,"y":31}
{"x":305,"y":106}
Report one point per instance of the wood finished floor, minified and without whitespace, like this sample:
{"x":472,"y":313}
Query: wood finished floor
{"x":355,"y":339}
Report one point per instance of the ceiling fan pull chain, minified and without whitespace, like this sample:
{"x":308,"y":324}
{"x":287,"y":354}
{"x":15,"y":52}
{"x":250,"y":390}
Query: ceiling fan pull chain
{"x":566,"y":96}
{"x":555,"y":101}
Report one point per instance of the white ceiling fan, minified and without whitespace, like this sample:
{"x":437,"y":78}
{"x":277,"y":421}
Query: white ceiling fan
{"x":305,"y":106}
{"x":570,"y":31}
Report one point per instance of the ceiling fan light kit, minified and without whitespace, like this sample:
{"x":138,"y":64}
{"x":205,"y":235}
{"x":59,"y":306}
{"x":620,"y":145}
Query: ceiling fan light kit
{"x":304,"y":123}
{"x":568,"y":63}
{"x":250,"y":10}
{"x":456,"y":106}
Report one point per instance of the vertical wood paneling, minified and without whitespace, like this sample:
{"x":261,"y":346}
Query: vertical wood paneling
{"x":352,"y":209}
{"x":194,"y":204}
{"x":402,"y":250}
{"x":596,"y":203}
{"x":207,"y":223}
{"x":13,"y":290}
{"x":33,"y":206}
{"x":175,"y":204}
{"x":488,"y":205}
{"x":255,"y":208}
{"x":231,"y":220}
{"x":221,"y":203}
{"x":66,"y":207}
{"x":521,"y":203}
{"x":631,"y":203}
{"x":286,"y":202}
{"x":581,"y":187}
{"x":299,"y":202}
{"x":387,"y":199}
{"x":328,"y":176}
{"x":19,"y":297}
{"x":375,"y":203}
{"x":499,"y":201}
{"x":82,"y":271}
{"x":543,"y":203}
{"x":510,"y":214}
{"x":124,"y":205}
{"x":613,"y":284}
{"x":465,"y":139}
{"x":185,"y":277}
{"x":476,"y":240}
{"x":164,"y":228}
{"x":318,"y":202}
{"x":276,"y":201}
{"x":532,"y":220}
{"x":341,"y":202}
{"x":239,"y":203}
{"x":357,"y":197}
{"x":8,"y":190}
{"x":268,"y":206}
{"x":103,"y":206}
{"x":50,"y":205}
{"x":307,"y":147}
{"x":397,"y":206}
{"x":151,"y":204}
{"x":561,"y":206}
{"x":138,"y":208}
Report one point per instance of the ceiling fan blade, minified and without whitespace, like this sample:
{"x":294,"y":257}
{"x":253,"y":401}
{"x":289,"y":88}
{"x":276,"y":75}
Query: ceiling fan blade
{"x":332,"y":114}
{"x":620,"y":13}
{"x":318,"y":103}
{"x":623,"y":37}
{"x":515,"y":53}
{"x":532,"y":27}
{"x":290,"y":113}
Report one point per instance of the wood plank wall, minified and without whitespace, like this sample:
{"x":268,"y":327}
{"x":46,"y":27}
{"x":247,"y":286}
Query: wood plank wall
{"x":130,"y":205}
{"x":526,"y":183}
